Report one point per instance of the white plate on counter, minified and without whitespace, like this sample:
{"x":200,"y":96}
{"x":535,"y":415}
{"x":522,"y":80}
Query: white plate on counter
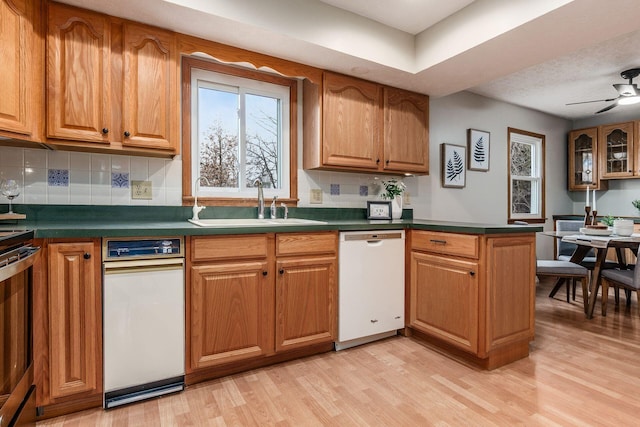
{"x":595,"y":231}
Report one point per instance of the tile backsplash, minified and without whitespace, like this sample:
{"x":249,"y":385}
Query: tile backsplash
{"x":75,"y":178}
{"x":62,"y":177}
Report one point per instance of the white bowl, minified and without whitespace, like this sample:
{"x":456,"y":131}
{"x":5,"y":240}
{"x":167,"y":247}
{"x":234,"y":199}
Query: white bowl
{"x":619,"y":156}
{"x":623,"y":223}
{"x":623,"y":231}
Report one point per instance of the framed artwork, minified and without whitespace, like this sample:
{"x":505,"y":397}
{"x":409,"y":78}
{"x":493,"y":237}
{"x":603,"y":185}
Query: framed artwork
{"x":453,"y":165}
{"x":478,"y":144}
{"x":378,"y":209}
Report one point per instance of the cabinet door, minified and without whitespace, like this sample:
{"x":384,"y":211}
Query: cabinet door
{"x":150,"y":94}
{"x":75,"y":319}
{"x":78,"y":75}
{"x":583,"y":163}
{"x":406,"y":131}
{"x":616,"y":150}
{"x":444,"y":299}
{"x":20,"y":68}
{"x":229,"y":306}
{"x":305,"y":302}
{"x":351,"y":117}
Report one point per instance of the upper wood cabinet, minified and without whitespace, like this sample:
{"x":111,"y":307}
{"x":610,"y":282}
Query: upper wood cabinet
{"x":583,"y":160}
{"x":356,"y":125}
{"x":78,"y":77}
{"x":150,"y":102}
{"x":22,"y":71}
{"x":406,"y":131}
{"x":617,"y":153}
{"x":111,"y":85}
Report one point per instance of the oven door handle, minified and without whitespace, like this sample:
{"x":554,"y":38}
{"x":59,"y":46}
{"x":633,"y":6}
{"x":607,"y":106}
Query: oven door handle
{"x":19,"y":266}
{"x":114,"y":267}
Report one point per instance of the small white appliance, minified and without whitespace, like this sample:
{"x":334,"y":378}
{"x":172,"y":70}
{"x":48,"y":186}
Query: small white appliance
{"x":370,"y":286}
{"x":143,"y":319}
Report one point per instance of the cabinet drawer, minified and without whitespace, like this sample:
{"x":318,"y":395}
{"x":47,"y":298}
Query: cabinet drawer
{"x":463,"y":245}
{"x":306,"y":243}
{"x":225,"y":247}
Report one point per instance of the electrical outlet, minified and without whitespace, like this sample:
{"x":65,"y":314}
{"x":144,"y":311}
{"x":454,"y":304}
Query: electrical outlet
{"x":315,"y":196}
{"x":141,"y":190}
{"x":406,"y":198}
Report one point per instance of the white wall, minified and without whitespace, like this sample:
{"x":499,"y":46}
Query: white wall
{"x":484,"y":198}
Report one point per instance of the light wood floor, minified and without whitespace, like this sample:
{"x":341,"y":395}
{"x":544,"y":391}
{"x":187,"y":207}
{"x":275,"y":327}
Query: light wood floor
{"x":579,"y":373}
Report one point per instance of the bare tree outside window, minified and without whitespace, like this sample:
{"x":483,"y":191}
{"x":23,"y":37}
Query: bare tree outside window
{"x":526,"y":175}
{"x":219,"y":157}
{"x":521,"y":166}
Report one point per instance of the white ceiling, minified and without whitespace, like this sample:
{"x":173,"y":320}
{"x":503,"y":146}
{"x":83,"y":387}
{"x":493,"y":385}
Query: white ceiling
{"x":539,"y":54}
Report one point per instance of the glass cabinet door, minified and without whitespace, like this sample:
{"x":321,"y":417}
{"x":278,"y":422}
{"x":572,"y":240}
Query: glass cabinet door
{"x":617,"y":150}
{"x":583,"y":159}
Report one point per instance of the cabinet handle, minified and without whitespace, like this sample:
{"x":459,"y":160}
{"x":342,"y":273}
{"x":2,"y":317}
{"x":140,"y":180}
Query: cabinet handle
{"x":377,"y":161}
{"x":281,"y":271}
{"x":86,"y":255}
{"x":127,"y":134}
{"x":438,"y":241}
{"x":472,"y":273}
{"x":264,"y":273}
{"x":105,"y":131}
{"x":374,"y":320}
{"x":387,"y":162}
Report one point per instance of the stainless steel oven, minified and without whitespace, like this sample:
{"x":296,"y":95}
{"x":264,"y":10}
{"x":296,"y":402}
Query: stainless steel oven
{"x":17,"y":395}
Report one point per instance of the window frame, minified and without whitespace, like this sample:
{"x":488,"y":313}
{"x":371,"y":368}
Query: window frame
{"x":190,"y":63}
{"x":538,"y":217}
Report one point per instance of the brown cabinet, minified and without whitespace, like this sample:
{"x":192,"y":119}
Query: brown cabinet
{"x":68,"y":324}
{"x":474,"y":293}
{"x":254,"y":296}
{"x":111,"y":85}
{"x":583,"y":160}
{"x":21,"y":73}
{"x":230,"y":300}
{"x":356,"y":125}
{"x":305,"y":289}
{"x":617,"y":152}
{"x":406,"y":131}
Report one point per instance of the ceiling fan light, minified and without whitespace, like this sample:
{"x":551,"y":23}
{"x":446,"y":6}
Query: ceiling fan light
{"x":629,"y":100}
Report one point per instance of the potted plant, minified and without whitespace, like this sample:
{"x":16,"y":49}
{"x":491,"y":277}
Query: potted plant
{"x":393,"y":190}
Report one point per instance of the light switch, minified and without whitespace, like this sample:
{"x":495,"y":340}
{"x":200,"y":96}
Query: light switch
{"x":315,"y":197}
{"x":141,"y":190}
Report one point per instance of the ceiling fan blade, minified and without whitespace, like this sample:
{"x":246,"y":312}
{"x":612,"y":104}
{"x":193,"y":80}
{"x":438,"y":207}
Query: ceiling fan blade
{"x":596,"y":100}
{"x":607,"y":108}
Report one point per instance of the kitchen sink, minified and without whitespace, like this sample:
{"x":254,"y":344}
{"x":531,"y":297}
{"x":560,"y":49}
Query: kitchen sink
{"x":254,"y":222}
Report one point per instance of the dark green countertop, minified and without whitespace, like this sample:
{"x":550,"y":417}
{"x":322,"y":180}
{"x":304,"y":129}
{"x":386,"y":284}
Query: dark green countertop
{"x":50,"y":221}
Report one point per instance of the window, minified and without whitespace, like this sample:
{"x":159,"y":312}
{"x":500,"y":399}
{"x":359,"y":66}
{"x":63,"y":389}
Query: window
{"x":241,"y":130}
{"x":526,"y":175}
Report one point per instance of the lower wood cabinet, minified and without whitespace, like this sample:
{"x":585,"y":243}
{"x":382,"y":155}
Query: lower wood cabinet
{"x":474,"y":293}
{"x":68,"y":324}
{"x":251,"y":298}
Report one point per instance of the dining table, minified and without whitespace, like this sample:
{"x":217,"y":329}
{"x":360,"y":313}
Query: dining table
{"x":601,"y":244}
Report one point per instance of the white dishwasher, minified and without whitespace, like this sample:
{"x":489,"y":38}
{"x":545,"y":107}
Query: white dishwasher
{"x":143,"y":319}
{"x":370,"y":286}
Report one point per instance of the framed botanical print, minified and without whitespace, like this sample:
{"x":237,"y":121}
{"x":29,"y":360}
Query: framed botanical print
{"x":478,"y":144}
{"x":453,"y":165}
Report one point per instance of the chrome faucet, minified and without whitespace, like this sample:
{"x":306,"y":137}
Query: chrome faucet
{"x":260,"y":199}
{"x":197,"y":209}
{"x":274,"y":208}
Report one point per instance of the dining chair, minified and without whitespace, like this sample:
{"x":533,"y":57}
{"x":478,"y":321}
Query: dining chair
{"x":569,"y":272}
{"x":627,"y":279}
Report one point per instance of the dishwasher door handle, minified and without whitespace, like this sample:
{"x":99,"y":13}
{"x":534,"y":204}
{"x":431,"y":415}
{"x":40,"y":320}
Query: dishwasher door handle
{"x":113,"y":267}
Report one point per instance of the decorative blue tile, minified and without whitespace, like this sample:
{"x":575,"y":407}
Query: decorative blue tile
{"x":58,"y":177}
{"x":119,"y":180}
{"x":335,"y":189}
{"x":364,"y":190}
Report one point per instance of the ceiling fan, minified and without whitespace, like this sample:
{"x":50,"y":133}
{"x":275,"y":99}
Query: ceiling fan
{"x":627,"y":93}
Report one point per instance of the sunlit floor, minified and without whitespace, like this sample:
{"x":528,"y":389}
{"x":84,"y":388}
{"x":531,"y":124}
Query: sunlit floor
{"x":580,"y":372}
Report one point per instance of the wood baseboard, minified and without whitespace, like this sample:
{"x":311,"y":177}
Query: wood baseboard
{"x":246,"y":365}
{"x":496,"y":358}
